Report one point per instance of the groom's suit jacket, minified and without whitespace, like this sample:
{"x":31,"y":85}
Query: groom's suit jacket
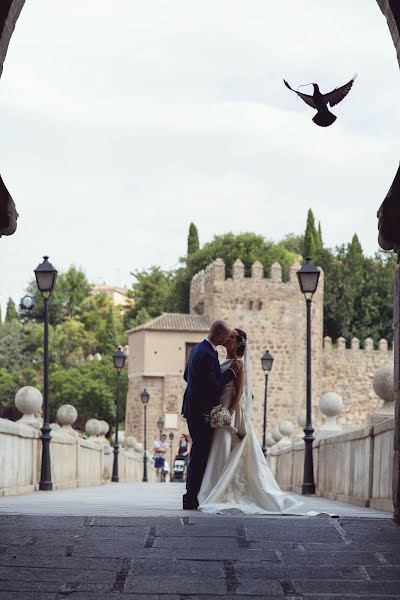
{"x":204,"y":381}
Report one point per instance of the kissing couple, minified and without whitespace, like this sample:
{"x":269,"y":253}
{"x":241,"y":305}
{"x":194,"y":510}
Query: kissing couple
{"x":227,"y":473}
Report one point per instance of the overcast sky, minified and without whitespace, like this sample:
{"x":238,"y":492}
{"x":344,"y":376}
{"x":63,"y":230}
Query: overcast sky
{"x":119,"y":128}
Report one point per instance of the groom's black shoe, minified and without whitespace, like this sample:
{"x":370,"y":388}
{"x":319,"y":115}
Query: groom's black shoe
{"x":187,"y":506}
{"x":189,"y":503}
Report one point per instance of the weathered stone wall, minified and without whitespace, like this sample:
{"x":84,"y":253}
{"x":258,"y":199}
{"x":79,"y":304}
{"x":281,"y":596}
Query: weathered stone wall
{"x":349,"y":372}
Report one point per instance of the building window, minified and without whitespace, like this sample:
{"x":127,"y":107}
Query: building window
{"x":189,"y":348}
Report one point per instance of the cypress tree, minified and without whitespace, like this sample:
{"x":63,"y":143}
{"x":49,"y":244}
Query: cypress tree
{"x":193,"y":243}
{"x":11,"y":311}
{"x":311,"y":237}
{"x":320,"y":243}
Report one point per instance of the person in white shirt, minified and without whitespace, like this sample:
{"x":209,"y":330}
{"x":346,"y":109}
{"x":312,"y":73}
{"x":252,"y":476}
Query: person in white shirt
{"x":160,"y":448}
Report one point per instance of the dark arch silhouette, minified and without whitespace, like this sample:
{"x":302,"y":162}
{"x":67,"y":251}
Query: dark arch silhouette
{"x":388,"y":213}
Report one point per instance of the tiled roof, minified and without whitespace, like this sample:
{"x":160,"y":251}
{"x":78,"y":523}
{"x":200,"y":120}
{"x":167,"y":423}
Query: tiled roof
{"x":176,"y":322}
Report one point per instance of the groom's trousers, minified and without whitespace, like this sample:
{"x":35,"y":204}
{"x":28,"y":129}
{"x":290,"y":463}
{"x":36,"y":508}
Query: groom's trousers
{"x":201,"y":434}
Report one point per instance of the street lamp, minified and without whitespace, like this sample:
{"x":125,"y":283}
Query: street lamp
{"x":160,"y":425}
{"x":46,"y":276}
{"x":119,"y":359}
{"x":171,"y":439}
{"x":266,"y":363}
{"x":308,"y":277}
{"x":27,"y":302}
{"x":145,"y":397}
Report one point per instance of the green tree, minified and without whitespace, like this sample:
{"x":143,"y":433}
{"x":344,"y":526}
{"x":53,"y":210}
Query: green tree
{"x":151,"y":294}
{"x":193,"y":243}
{"x":320,"y":243}
{"x":70,"y":292}
{"x":90,"y":387}
{"x":11,"y":311}
{"x":294,"y":243}
{"x":70,"y":342}
{"x":311,"y":244}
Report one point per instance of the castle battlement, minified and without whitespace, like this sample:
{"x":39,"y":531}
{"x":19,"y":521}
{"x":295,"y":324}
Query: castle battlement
{"x":211,"y":282}
{"x":368,"y":345}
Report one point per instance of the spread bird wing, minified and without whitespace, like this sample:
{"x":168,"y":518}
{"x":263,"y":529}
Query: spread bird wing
{"x":305,"y":97}
{"x":339,"y":93}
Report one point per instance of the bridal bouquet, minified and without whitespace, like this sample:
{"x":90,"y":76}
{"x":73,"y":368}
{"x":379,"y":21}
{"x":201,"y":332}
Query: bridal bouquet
{"x":219,"y":416}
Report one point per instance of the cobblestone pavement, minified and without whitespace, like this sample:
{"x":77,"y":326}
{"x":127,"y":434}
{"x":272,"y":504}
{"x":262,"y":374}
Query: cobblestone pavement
{"x":192,"y":556}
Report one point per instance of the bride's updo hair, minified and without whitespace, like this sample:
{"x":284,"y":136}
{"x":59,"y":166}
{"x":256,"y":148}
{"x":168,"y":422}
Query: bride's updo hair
{"x":242,"y":338}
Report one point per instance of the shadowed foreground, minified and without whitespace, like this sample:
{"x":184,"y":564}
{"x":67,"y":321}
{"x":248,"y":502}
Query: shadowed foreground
{"x":95,"y":554}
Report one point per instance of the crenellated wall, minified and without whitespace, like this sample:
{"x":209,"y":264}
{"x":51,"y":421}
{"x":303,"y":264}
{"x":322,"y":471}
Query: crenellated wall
{"x":348,"y":369}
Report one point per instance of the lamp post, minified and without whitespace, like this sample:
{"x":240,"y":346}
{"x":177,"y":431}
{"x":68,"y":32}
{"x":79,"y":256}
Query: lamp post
{"x":119,"y":359}
{"x":160,"y":425}
{"x":308,"y":277}
{"x":145,"y":397}
{"x":171,"y":439}
{"x":46,"y":276}
{"x":266,"y":363}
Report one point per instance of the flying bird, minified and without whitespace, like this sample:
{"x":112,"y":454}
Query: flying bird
{"x":319,"y":101}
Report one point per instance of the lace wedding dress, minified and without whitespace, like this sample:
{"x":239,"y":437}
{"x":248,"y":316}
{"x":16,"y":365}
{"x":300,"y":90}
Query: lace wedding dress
{"x":237,"y":476}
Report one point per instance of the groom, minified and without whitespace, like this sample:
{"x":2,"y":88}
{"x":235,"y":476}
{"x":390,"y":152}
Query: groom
{"x":204,"y":385}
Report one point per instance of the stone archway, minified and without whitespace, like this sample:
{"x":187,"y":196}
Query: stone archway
{"x":9,"y":13}
{"x":388,"y":213}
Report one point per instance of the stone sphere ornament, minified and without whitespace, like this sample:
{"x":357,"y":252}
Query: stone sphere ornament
{"x":66,"y":416}
{"x":286,"y":429}
{"x":104,"y":428}
{"x":92,"y":428}
{"x":276,"y":434}
{"x":383,"y":384}
{"x":301,"y":418}
{"x":269,"y":440}
{"x":130,"y":442}
{"x":121,"y":437}
{"x":331,"y":405}
{"x":29,"y":401}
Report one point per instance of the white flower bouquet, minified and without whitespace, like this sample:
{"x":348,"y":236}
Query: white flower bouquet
{"x":219,"y":416}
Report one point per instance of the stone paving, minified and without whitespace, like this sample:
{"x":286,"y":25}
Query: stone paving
{"x":57,"y":545}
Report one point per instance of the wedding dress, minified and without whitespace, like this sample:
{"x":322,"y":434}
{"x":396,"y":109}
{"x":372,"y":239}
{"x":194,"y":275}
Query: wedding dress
{"x":237,"y":476}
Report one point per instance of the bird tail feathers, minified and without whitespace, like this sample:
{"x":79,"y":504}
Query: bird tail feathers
{"x":324,"y":118}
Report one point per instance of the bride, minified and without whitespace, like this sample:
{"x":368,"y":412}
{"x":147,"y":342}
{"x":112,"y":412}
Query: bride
{"x":237,"y":475}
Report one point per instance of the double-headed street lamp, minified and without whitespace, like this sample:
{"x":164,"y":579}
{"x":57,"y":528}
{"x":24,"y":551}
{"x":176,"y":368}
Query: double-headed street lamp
{"x":145,"y":397}
{"x":308,"y":277}
{"x":160,"y":425}
{"x":266,"y":363}
{"x":119,"y":359}
{"x":46,"y":276}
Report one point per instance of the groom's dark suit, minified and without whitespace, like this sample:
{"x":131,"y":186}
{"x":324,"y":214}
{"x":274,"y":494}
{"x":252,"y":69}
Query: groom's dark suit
{"x":204,"y":385}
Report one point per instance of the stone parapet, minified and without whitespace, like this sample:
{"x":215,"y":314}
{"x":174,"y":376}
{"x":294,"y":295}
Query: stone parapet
{"x":353,"y":466}
{"x":75,"y":461}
